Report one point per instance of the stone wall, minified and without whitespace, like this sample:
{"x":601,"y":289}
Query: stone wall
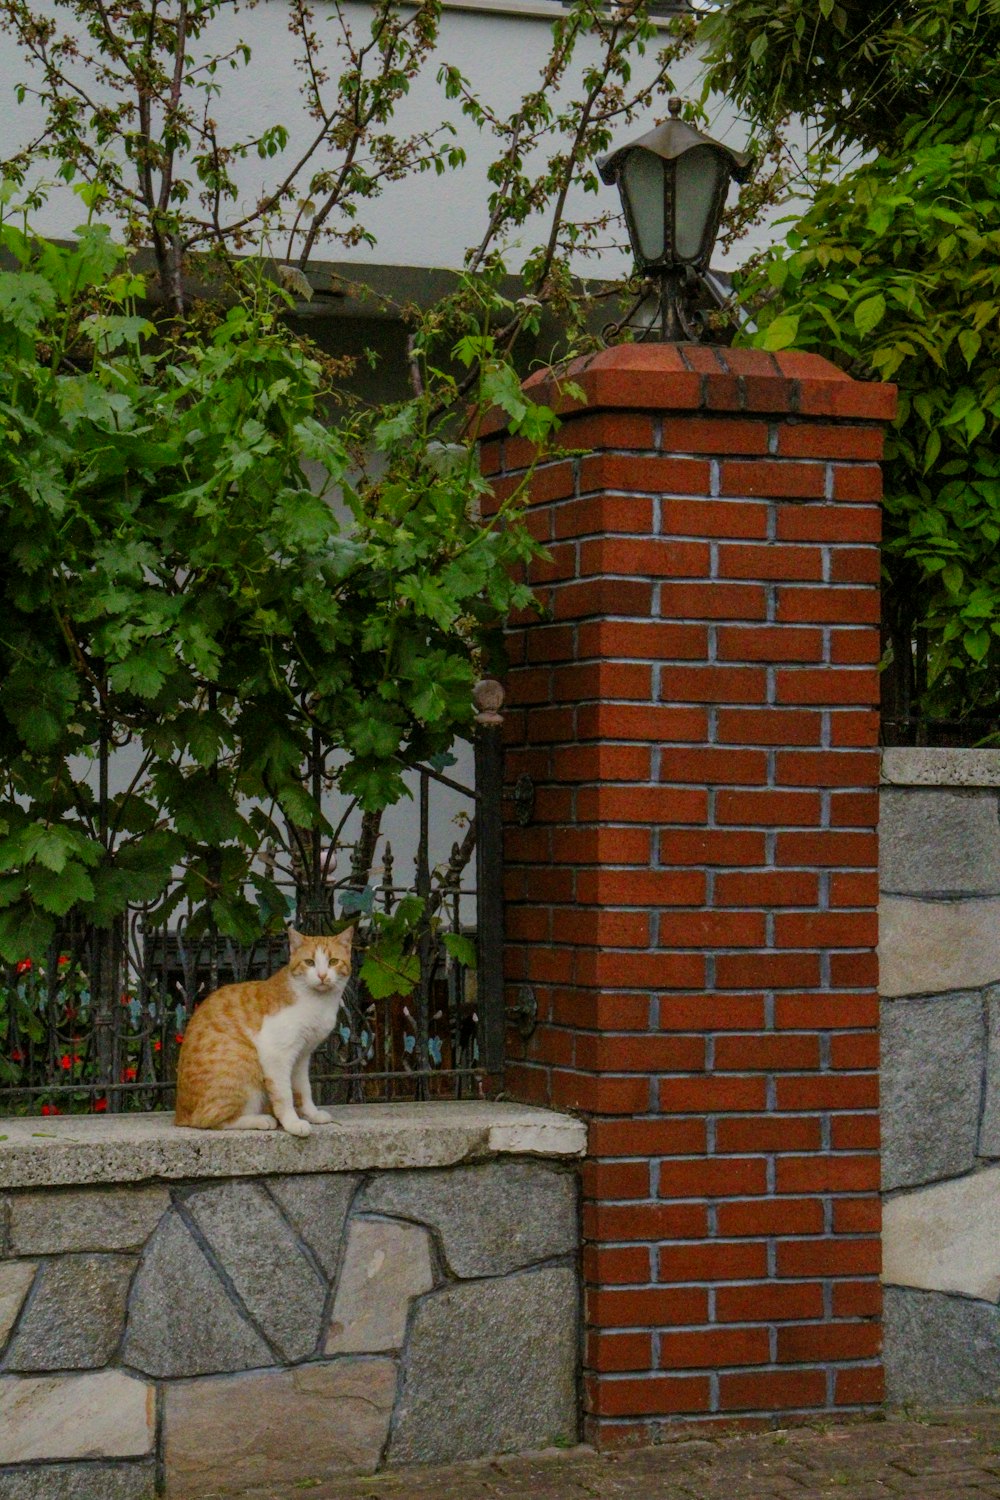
{"x":192,"y":1335}
{"x":940,"y":982}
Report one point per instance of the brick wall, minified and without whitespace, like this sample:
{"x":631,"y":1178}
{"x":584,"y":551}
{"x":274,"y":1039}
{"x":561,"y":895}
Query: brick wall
{"x":695,"y":900}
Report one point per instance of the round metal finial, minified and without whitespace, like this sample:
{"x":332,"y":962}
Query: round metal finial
{"x":675,"y":104}
{"x":488,"y":697}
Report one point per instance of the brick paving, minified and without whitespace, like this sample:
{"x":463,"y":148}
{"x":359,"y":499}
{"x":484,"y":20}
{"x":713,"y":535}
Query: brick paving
{"x":952,"y":1455}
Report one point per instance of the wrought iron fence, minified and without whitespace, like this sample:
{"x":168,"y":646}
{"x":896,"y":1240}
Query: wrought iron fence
{"x":98,"y":1023}
{"x":904,"y":683}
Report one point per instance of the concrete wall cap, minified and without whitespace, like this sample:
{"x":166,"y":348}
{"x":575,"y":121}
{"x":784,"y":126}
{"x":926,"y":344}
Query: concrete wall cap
{"x":919,"y":766}
{"x":80,"y":1149}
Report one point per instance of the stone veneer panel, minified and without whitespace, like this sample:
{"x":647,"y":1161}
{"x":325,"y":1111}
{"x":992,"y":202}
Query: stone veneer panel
{"x":490,"y":1368}
{"x":939,"y":840}
{"x":317,"y":1207}
{"x":281,"y":1427}
{"x":182,"y":1320}
{"x":257,"y":1250}
{"x":932,"y":1061}
{"x":940,"y":956}
{"x":480,"y":1215}
{"x":929,"y":947}
{"x":946,"y":1237}
{"x":76,"y":1316}
{"x":15,"y":1280}
{"x":103,"y":1414}
{"x":940,"y":1350}
{"x":232,"y":1294}
{"x":85,"y":1481}
{"x":386,"y":1265}
{"x":94,"y":1219}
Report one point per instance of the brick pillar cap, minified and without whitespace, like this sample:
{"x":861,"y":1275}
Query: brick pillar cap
{"x":702,"y":377}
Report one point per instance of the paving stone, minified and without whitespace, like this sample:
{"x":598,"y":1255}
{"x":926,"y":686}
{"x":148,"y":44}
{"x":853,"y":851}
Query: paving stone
{"x":386,"y":1264}
{"x":89,"y":1219}
{"x":181,"y":1319}
{"x":16,"y":1277}
{"x":930,"y":947}
{"x":103,"y":1414}
{"x":932,"y":1063}
{"x":852,"y":1460}
{"x":86,"y":1481}
{"x":940,"y":1349}
{"x":939,"y":841}
{"x":259,"y":1253}
{"x":76,"y":1315}
{"x":317,"y":1204}
{"x":280,"y":1427}
{"x":491,"y":1219}
{"x":490,"y":1367}
{"x":946,"y":1237}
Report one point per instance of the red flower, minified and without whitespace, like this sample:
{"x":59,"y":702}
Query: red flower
{"x":24,"y":966}
{"x":179,"y":1038}
{"x":128,"y":1075}
{"x":99,"y":1106}
{"x":17,"y":1055}
{"x":51,"y":1109}
{"x":126,"y":998}
{"x":63,"y":959}
{"x":65,"y":1062}
{"x":157,"y":1046}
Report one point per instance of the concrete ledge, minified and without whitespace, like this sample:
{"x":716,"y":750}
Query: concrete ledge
{"x":68,"y":1151}
{"x":917,"y":766}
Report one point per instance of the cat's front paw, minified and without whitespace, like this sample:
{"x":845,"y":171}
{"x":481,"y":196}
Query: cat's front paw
{"x":295,"y":1126}
{"x":318,"y":1116}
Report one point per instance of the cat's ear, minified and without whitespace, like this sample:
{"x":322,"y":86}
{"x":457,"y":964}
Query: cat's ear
{"x":346,"y":936}
{"x":295,"y":939}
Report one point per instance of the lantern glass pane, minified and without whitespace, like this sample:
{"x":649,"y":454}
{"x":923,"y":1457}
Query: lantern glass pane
{"x":642,"y":185}
{"x":698,"y":173}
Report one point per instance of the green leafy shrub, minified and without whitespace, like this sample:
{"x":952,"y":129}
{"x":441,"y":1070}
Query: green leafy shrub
{"x":177,"y":580}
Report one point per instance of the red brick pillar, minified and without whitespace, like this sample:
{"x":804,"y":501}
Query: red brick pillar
{"x":694,"y":902}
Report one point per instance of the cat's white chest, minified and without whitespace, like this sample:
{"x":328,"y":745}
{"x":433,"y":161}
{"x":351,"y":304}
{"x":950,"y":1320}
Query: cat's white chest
{"x":300,"y":1027}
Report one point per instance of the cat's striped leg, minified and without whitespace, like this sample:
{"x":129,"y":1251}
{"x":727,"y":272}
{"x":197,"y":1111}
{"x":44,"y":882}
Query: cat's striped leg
{"x":302,"y":1094}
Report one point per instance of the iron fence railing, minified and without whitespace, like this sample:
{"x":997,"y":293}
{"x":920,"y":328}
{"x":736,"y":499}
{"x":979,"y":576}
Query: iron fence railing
{"x":97,"y":1023}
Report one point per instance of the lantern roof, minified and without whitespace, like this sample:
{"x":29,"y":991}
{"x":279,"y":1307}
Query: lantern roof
{"x":669,"y":140}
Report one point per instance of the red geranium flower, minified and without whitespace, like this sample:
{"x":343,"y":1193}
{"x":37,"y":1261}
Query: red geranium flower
{"x":51,"y":1109}
{"x":128,"y":1075}
{"x":24,"y":966}
{"x":63,"y":958}
{"x":99,"y":1106}
{"x":157,"y":1046}
{"x":65,"y":1062}
{"x":179,"y":1038}
{"x":17,"y":1055}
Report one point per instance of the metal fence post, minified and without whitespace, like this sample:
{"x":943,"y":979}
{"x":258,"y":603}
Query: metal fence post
{"x":488,"y":697}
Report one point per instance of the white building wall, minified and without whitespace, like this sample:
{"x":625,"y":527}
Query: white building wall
{"x":424,"y":221}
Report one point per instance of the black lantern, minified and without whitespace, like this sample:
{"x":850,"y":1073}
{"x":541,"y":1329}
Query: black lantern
{"x":673,"y":184}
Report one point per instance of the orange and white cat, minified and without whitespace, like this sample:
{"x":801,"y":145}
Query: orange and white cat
{"x":248,"y":1046}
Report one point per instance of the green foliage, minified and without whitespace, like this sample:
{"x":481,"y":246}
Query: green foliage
{"x":894,"y":273}
{"x":862,"y":73}
{"x":177,"y":582}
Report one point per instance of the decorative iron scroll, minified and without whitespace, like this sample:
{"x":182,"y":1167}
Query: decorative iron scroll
{"x":98,"y":1023}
